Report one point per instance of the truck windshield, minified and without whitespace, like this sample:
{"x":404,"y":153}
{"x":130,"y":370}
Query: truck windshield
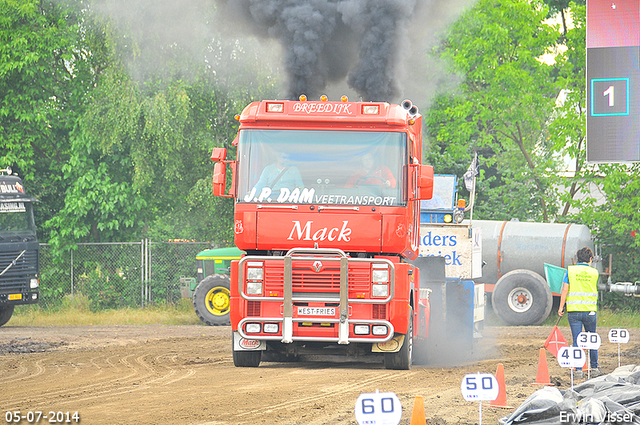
{"x":16,"y":219}
{"x":322,"y":167}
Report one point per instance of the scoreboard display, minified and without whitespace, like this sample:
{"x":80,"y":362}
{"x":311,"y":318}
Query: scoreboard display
{"x":613,"y":80}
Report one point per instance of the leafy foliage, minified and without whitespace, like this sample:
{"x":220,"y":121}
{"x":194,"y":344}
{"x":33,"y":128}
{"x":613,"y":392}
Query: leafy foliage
{"x":501,"y":107}
{"x":112,"y":125}
{"x":45,"y":71}
{"x":526,"y":117}
{"x":111,"y":122}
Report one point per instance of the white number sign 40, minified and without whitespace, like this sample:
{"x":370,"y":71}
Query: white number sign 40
{"x":571,"y":357}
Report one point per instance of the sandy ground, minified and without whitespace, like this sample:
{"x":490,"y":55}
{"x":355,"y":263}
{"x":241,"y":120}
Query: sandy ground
{"x":185,"y":375}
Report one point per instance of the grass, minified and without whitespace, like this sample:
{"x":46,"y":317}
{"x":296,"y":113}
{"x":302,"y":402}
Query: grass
{"x":76,"y":312}
{"x":606,"y":318}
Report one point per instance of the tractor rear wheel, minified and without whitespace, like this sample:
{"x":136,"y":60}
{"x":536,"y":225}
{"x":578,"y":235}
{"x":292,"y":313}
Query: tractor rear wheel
{"x":212,"y":298}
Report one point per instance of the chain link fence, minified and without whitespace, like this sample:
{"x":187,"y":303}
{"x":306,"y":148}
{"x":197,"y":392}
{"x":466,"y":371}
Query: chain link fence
{"x":117,"y":274}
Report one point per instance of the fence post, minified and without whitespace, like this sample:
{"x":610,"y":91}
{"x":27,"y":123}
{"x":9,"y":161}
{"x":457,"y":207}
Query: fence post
{"x":145,"y":265}
{"x":71,"y":273}
{"x":142,"y":273}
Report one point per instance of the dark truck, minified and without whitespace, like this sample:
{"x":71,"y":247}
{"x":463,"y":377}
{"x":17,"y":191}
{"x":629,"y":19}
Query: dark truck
{"x":18,"y":246}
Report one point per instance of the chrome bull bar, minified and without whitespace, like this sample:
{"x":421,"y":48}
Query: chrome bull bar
{"x":288,"y":298}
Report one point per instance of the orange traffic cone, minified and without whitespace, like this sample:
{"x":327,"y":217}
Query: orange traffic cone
{"x":417,"y":415}
{"x":542,"y":378}
{"x":501,"y":401}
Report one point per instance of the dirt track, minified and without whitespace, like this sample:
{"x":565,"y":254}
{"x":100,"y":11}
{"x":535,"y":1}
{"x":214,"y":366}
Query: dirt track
{"x":185,"y":375}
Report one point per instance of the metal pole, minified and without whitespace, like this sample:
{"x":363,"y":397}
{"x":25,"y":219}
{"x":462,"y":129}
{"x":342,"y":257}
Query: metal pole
{"x":142,"y":273}
{"x":473,"y":198}
{"x":71,"y":273}
{"x":148,"y":258}
{"x":618,"y":354}
{"x":148,"y":271}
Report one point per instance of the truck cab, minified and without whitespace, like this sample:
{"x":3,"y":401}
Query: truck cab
{"x":327,"y":211}
{"x":18,"y":246}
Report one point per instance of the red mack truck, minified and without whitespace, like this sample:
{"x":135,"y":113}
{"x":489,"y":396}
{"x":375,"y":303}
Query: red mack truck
{"x":327,"y":209}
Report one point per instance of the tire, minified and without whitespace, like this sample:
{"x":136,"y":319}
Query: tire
{"x":212,"y":298}
{"x":522,"y":298}
{"x":401,"y":360}
{"x":5,"y":314}
{"x":245,"y":358}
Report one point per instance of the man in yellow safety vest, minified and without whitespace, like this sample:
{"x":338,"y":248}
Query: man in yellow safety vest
{"x":580,"y":292}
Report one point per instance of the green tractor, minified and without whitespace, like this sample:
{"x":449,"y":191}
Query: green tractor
{"x":211,"y":296}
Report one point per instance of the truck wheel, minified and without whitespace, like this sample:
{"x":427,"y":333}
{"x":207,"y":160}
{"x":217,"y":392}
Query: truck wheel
{"x":401,"y":360}
{"x":245,"y":358}
{"x":5,"y":314}
{"x":522,"y":297}
{"x":211,"y":300}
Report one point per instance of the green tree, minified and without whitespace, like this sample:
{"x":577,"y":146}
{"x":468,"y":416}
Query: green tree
{"x":617,"y":219}
{"x":45,"y":70}
{"x":527,"y":119}
{"x":500,"y":108}
{"x":140,"y":162}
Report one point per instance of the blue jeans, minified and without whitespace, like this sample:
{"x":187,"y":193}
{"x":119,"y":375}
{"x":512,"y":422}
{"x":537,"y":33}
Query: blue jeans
{"x":588,"y":319}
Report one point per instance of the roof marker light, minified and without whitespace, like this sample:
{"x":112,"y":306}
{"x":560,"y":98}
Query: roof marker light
{"x":324,"y":98}
{"x":275,"y":107}
{"x":370,"y":109}
{"x":303,"y":98}
{"x":344,"y":98}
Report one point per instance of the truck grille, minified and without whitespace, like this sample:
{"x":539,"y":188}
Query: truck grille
{"x":15,"y":278}
{"x":305,"y":279}
{"x":253,"y":308}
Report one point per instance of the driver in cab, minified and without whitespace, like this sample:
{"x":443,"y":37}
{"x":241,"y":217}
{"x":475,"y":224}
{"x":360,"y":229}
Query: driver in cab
{"x":279,"y":175}
{"x":371,"y":174}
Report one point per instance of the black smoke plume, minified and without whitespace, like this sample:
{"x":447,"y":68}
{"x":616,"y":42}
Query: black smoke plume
{"x":329,"y":40}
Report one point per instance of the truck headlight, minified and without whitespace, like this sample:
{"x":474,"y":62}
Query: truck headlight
{"x":379,"y":330}
{"x":361,"y":329}
{"x":34,"y":283}
{"x":271,"y":328}
{"x":254,"y":288}
{"x":380,"y":291}
{"x":252,"y":328}
{"x":380,"y":273}
{"x":255,"y":273}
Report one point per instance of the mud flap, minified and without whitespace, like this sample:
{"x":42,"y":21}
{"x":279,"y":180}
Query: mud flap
{"x":244,"y":344}
{"x":391,"y":346}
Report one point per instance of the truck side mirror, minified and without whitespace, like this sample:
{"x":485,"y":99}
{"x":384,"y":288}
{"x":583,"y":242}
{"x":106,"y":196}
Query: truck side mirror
{"x":219,"y":154}
{"x":425,"y":182}
{"x":219,"y":178}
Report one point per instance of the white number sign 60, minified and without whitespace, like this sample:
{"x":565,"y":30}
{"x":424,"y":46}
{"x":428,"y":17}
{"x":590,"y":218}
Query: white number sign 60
{"x":378,"y":408}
